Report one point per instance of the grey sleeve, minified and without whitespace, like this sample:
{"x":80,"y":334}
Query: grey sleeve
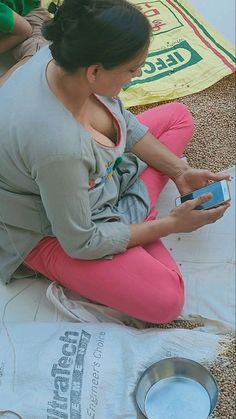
{"x":135,"y":130}
{"x":63,"y":187}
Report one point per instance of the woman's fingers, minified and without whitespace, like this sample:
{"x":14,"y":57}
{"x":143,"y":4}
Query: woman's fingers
{"x":201,"y":199}
{"x":187,"y":218}
{"x":217,"y":176}
{"x":215,"y":214}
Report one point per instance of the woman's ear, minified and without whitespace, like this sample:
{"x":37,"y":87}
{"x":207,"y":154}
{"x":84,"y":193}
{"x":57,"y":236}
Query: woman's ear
{"x":93,"y":72}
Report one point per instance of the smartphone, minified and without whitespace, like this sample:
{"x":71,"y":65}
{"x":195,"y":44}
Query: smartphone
{"x":219,"y":190}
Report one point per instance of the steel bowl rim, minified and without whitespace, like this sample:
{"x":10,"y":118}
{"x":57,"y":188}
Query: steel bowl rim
{"x":181,"y":359}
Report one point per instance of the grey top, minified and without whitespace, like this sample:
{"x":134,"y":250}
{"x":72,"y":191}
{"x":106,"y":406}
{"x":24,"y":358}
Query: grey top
{"x":56,"y":180}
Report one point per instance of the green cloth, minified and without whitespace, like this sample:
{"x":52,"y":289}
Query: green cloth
{"x":22,"y":7}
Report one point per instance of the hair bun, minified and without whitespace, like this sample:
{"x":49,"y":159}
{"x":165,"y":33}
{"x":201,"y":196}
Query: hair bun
{"x":52,"y":30}
{"x":67,"y":17}
{"x":79,"y":8}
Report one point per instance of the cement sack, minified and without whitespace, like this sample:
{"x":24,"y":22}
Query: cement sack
{"x":80,"y":370}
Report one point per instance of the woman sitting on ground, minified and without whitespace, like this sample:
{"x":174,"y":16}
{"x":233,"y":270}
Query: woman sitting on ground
{"x":80,"y":175}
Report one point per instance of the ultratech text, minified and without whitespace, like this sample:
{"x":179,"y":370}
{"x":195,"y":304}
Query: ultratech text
{"x":68,"y":376}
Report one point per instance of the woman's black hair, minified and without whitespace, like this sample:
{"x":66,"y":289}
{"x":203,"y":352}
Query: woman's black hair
{"x":85,"y":32}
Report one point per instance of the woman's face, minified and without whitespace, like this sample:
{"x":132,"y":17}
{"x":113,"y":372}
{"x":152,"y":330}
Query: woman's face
{"x":110,"y":82}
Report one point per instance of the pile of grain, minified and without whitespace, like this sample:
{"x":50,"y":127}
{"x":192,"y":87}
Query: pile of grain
{"x":214,"y":112}
{"x":224,"y":371}
{"x":213,"y":148}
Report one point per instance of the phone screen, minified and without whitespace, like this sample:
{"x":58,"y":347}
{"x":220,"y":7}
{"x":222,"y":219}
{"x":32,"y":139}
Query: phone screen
{"x":214,"y":188}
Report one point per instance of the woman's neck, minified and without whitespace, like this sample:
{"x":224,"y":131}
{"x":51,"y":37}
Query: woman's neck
{"x":71,"y":89}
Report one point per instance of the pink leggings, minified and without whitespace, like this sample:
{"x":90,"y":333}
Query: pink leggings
{"x":145,"y":281}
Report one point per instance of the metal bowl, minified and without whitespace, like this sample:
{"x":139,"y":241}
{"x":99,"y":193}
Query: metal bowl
{"x":176,"y":388}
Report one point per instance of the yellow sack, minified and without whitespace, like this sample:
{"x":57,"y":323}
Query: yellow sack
{"x":186,"y":55}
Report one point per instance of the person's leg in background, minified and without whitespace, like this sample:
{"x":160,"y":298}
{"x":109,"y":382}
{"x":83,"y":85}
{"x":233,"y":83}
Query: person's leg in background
{"x":24,"y":51}
{"x":143,"y":282}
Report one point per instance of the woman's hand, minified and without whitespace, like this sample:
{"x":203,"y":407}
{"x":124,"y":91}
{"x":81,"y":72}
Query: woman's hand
{"x":185,"y":218}
{"x":190,"y":179}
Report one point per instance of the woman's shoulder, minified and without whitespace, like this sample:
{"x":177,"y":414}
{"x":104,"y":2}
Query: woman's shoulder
{"x":26,"y":79}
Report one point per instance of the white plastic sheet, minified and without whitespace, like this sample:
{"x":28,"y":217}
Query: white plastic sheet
{"x":207,"y":261}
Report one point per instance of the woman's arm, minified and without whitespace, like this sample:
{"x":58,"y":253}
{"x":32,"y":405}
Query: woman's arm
{"x":63,"y":182}
{"x":155,"y":154}
{"x":20,"y":31}
{"x":186,"y":178}
{"x":185,"y":218}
